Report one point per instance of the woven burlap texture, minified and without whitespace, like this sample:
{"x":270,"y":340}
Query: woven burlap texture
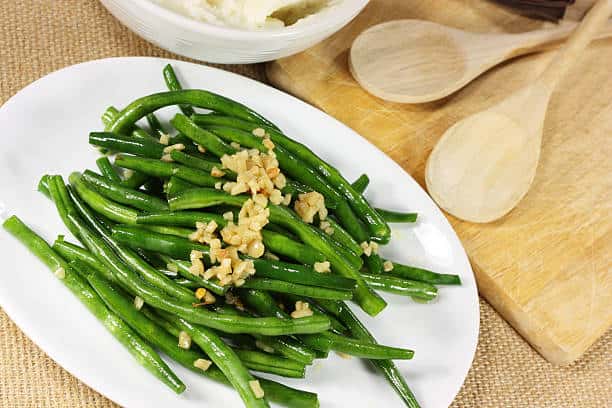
{"x":37,"y":37}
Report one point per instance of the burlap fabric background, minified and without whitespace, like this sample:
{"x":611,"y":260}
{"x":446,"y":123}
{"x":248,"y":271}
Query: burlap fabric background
{"x":37,"y":37}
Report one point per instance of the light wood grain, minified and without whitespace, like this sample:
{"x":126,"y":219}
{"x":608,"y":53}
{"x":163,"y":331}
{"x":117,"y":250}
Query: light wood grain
{"x":483,"y":165}
{"x":546,"y":267}
{"x":416,"y":61}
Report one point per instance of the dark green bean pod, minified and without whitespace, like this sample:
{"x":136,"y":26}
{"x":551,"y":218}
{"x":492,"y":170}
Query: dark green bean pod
{"x":127,"y":144}
{"x":72,"y":252}
{"x":116,"y":192}
{"x":285,"y":246}
{"x":280,"y":286}
{"x":345,"y":239}
{"x":361,"y":183}
{"x":158,"y":168}
{"x":173,"y":84}
{"x":400,"y":286}
{"x":423,"y":275}
{"x":373,"y":264}
{"x":365,"y":349}
{"x":140,"y":350}
{"x":223,"y":357}
{"x":211,"y":142}
{"x":268,"y":363}
{"x":175,"y":185}
{"x":108,"y":208}
{"x":377,"y":226}
{"x":135,"y":180}
{"x":107,"y":169}
{"x":196,"y":162}
{"x":387,"y":367}
{"x":180,"y":218}
{"x":168,"y":230}
{"x":336,"y":325}
{"x":395,"y":216}
{"x":300,"y":274}
{"x":195,"y":97}
{"x":154,"y":124}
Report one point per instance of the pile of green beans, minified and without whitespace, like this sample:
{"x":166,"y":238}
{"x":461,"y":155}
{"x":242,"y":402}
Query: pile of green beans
{"x":134,"y":268}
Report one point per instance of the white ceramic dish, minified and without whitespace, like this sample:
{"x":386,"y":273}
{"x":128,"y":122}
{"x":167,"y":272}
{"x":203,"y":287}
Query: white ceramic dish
{"x":226,"y":45}
{"x":46,"y":127}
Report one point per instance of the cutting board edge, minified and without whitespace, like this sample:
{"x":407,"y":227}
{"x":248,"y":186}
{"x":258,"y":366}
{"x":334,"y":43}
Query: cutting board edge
{"x":520,"y":320}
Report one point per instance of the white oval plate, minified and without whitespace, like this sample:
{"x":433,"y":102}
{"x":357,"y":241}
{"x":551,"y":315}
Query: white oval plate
{"x":45,"y":128}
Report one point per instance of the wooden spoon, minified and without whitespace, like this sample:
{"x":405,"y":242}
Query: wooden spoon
{"x":414,"y":61}
{"x":484,"y":164}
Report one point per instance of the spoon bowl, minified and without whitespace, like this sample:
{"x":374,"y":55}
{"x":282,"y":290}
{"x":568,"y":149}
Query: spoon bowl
{"x":415,"y":61}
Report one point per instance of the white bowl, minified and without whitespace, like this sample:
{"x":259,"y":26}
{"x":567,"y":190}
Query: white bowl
{"x":228,"y":45}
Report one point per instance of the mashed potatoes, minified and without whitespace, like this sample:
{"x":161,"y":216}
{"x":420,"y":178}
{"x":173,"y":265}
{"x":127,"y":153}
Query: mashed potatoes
{"x":254,"y":14}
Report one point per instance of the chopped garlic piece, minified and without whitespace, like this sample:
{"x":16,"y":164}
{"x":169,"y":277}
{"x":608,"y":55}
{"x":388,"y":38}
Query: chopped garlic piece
{"x":302,"y":309}
{"x":387,"y":266}
{"x":60,"y":273}
{"x":202,"y":364}
{"x":259,"y":132}
{"x":256,"y":388}
{"x":310,"y":204}
{"x":171,"y":148}
{"x":164,"y":139}
{"x":138,"y":302}
{"x":184,"y":340}
{"x":322,"y":267}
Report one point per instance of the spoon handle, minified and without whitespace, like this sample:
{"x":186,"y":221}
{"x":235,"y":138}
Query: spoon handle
{"x":580,"y":38}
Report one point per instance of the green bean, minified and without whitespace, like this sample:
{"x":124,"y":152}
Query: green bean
{"x":180,"y":218}
{"x":59,"y":195}
{"x":149,"y":274}
{"x":168,"y":230}
{"x":361,"y":183}
{"x":127,"y":144}
{"x":423,"y":275}
{"x":223,"y":357}
{"x":202,"y":137}
{"x":173,"y":84}
{"x":395,"y":216}
{"x":139,"y":349}
{"x":388,"y":368}
{"x":158,"y":168}
{"x":134,"y":180}
{"x":300,"y":274}
{"x":196,"y":162}
{"x":261,"y":302}
{"x":268,"y":363}
{"x":110,"y":209}
{"x":280,"y":286}
{"x":124,"y":195}
{"x":366,"y":349}
{"x":336,"y":325}
{"x":154,"y":124}
{"x":43,"y":186}
{"x":295,"y":188}
{"x":282,"y":245}
{"x":136,"y":132}
{"x":137,"y":237}
{"x":367,"y":299}
{"x":345,"y":239}
{"x":72,"y":252}
{"x":279,"y":230}
{"x":291,"y":165}
{"x":372,"y":219}
{"x":182,"y":268}
{"x":373,"y":264}
{"x":274,"y":392}
{"x":195,"y":97}
{"x":175,"y":185}
{"x":107,"y":169}
{"x":399,"y":286}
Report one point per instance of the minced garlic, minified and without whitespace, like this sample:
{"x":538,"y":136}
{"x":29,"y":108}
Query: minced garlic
{"x":256,"y":388}
{"x":202,"y":364}
{"x":302,"y":309}
{"x":310,"y":204}
{"x":387,"y":266}
{"x":322,"y":267}
{"x":184,"y":340}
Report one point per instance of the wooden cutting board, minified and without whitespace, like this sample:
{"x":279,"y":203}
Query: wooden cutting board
{"x":546,"y":266}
